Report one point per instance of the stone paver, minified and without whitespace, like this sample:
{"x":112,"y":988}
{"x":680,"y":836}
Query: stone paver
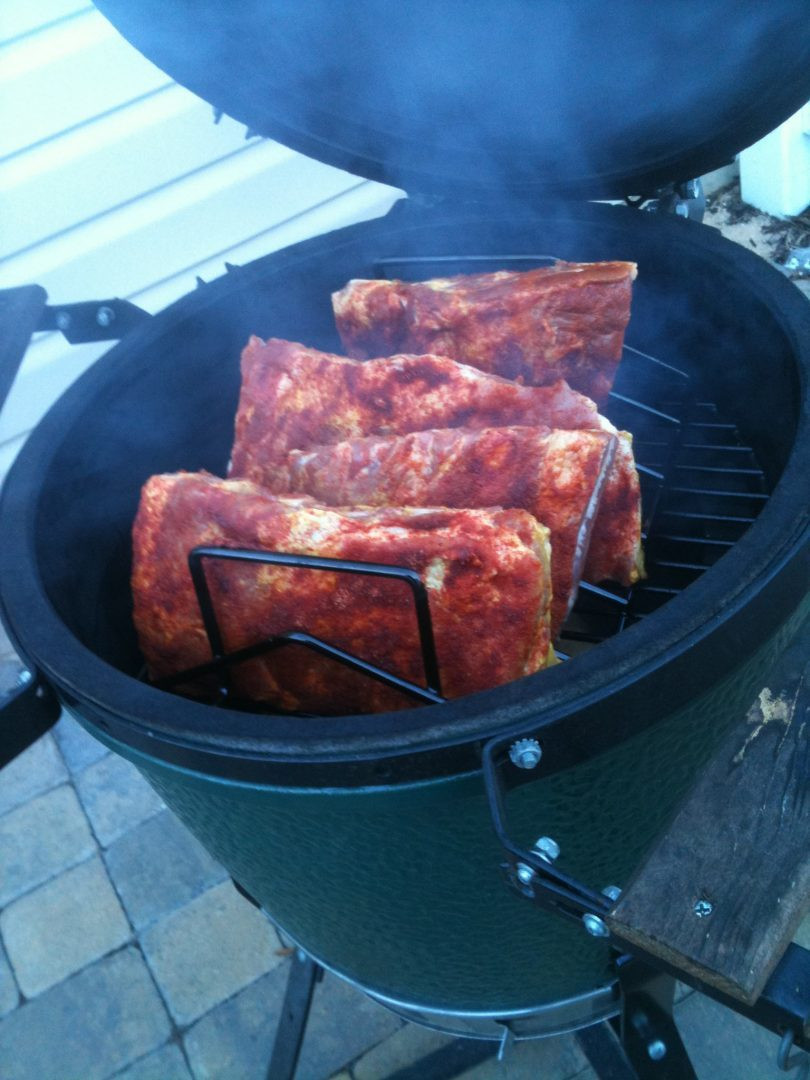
{"x":87,"y":1027}
{"x":62,"y":926}
{"x":208,"y":950}
{"x":41,"y":838}
{"x":404,"y":1047}
{"x":78,"y":748}
{"x":158,"y":867}
{"x":342,"y":1023}
{"x":802,"y":935}
{"x":9,"y":994}
{"x":167,"y":1063}
{"x":6,"y":648}
{"x":35,"y":770}
{"x":725,"y":1046}
{"x":115,"y":797}
{"x":557,"y":1058}
{"x":236,"y":1039}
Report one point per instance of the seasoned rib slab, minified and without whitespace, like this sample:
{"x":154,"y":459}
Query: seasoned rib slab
{"x":294,"y":397}
{"x":565,"y":321}
{"x":557,"y":476}
{"x":486,"y":572}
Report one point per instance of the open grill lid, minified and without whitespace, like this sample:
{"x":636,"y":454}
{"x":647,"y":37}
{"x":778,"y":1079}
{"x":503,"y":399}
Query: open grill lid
{"x":574,"y":98}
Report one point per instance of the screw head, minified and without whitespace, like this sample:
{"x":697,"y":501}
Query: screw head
{"x":24,"y":677}
{"x":105,"y":316}
{"x":612,"y":892}
{"x":657,"y":1049}
{"x":703,"y":908}
{"x":63,"y":319}
{"x":525,"y":753}
{"x":547,"y":849}
{"x":525,"y":874}
{"x":595,"y":926}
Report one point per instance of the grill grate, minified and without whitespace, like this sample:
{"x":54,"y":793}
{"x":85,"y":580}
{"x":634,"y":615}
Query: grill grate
{"x":701,"y":488}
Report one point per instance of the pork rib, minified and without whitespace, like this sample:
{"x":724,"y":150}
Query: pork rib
{"x":558,"y":476}
{"x":565,"y":321}
{"x":294,"y":398}
{"x":486,"y":574}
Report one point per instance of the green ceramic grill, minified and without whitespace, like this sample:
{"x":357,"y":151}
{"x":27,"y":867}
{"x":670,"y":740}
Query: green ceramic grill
{"x":370,"y":840}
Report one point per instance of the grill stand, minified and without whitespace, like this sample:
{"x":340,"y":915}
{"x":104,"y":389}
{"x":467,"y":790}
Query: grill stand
{"x":640,"y":1043}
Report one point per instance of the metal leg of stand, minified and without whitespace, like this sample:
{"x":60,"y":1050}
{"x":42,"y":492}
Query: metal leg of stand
{"x":653,"y":1043}
{"x":647,"y":1028}
{"x":304,"y":974}
{"x":643,"y":1043}
{"x":603,"y":1048}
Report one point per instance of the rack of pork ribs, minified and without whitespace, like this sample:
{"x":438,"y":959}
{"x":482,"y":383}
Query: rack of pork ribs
{"x":469,"y":455}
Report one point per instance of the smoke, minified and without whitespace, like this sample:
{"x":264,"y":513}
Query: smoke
{"x":493,"y":96}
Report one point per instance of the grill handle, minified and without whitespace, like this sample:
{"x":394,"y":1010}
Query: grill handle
{"x":29,"y":708}
{"x":532,"y":873}
{"x":24,"y":311}
{"x":20,"y":312}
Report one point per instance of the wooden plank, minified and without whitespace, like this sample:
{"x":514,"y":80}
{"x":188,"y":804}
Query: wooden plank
{"x":725,"y":888}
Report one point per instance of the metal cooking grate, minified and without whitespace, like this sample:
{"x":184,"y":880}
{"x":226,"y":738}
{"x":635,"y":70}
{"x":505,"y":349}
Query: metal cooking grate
{"x":701,"y":489}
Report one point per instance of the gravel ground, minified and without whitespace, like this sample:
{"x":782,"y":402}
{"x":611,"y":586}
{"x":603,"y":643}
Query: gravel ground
{"x":771,"y":237}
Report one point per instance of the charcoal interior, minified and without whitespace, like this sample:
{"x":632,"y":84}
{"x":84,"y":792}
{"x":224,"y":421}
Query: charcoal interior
{"x":707,"y":368}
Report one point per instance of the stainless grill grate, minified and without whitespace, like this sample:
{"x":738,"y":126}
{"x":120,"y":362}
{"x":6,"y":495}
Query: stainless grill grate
{"x":701,"y":489}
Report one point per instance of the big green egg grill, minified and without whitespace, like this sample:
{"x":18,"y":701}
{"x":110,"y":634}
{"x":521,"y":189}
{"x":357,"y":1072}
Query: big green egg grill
{"x":370,"y":840}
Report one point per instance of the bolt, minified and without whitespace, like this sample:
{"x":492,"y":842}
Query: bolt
{"x":24,"y":678}
{"x":63,"y":320}
{"x":525,"y":753}
{"x":105,"y":315}
{"x":703,"y":908}
{"x":595,"y":926}
{"x":525,"y":874}
{"x":612,"y":892}
{"x":682,"y":210}
{"x":657,"y":1049}
{"x":547,"y":849}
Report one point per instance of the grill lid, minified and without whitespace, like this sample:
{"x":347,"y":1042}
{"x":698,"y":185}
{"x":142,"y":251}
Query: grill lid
{"x":567,"y":97}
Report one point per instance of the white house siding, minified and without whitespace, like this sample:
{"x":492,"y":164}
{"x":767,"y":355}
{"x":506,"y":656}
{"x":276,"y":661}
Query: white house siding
{"x":114,"y":181}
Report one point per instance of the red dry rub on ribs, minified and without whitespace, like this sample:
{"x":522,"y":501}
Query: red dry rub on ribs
{"x":294,"y":398}
{"x":486,"y":573}
{"x":558,"y":476}
{"x":565,"y":321}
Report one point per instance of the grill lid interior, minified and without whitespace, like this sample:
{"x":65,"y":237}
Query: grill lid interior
{"x":581,"y":99}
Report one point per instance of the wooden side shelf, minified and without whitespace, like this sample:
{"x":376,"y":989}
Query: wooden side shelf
{"x":723,"y":891}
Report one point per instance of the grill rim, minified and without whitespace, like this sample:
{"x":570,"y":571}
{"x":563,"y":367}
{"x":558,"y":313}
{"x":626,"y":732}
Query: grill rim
{"x":446,"y":743}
